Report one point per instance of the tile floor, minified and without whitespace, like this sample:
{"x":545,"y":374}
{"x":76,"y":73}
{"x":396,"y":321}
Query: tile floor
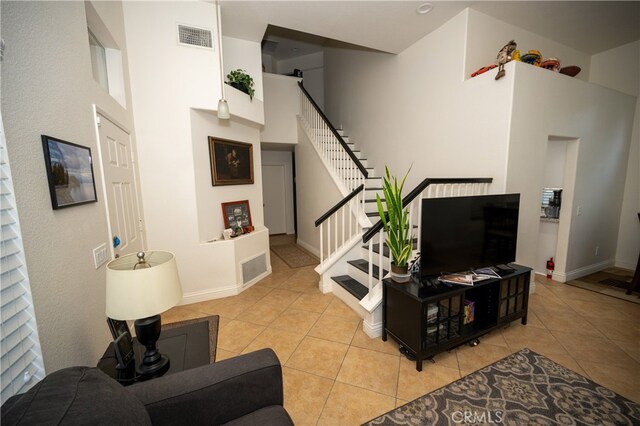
{"x":327,"y":359}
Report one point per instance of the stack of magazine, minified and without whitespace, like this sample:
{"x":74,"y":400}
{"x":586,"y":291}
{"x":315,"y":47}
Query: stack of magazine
{"x":469,"y":277}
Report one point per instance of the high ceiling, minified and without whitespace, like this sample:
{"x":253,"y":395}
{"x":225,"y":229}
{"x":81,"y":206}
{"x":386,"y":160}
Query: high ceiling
{"x":392,"y":26}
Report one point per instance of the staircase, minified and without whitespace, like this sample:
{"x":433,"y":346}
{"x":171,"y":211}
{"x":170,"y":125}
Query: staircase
{"x":352,"y":247}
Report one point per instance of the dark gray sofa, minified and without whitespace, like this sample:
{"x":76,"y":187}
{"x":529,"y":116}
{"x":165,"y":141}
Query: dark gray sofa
{"x":246,"y":390}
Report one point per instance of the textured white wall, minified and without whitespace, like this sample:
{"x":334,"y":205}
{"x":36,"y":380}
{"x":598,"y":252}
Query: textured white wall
{"x":602,"y":120}
{"x":487,"y":35}
{"x":447,"y":127}
{"x":619,"y":69}
{"x":175,"y":90}
{"x":244,"y":55}
{"x":281,"y":107}
{"x":316,"y":192}
{"x":48,"y":88}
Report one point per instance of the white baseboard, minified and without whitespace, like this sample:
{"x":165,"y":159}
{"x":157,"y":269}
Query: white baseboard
{"x":581,"y":272}
{"x":201,"y":296}
{"x":308,"y":247}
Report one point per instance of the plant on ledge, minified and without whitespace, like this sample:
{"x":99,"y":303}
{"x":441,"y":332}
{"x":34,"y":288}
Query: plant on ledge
{"x":241,"y":81}
{"x":396,"y":225}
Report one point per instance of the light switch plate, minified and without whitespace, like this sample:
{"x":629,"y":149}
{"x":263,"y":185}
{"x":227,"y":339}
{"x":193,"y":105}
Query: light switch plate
{"x":100,"y":255}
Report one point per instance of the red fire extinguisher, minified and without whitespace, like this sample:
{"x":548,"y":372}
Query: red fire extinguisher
{"x":550,"y":267}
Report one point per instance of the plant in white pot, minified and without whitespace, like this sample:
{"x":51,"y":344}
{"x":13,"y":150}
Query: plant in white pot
{"x":396,"y":225}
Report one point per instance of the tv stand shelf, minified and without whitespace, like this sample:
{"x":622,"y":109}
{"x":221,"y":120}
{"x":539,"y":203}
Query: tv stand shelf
{"x":429,"y":317}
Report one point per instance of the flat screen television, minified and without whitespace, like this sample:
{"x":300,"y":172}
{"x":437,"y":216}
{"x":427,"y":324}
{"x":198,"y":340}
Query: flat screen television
{"x":462,"y":233}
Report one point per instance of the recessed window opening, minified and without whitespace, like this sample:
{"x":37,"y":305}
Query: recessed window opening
{"x":98,"y":61}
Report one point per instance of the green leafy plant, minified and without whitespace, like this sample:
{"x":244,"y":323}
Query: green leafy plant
{"x":243,"y":81}
{"x":396,"y":222}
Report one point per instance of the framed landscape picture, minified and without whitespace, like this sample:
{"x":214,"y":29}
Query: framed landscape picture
{"x":231,"y":162}
{"x":70,"y":173}
{"x":236,"y":214}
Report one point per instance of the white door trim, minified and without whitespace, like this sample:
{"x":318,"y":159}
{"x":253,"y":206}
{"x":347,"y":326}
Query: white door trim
{"x":97,"y":111}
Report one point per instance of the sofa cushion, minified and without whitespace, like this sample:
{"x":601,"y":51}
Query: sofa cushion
{"x":76,"y":395}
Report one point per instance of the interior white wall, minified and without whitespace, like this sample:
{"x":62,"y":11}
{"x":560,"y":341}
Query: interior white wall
{"x":281,"y":108}
{"x":283,"y":158}
{"x":48,"y":88}
{"x":619,"y":69}
{"x":418,"y":99}
{"x":602,"y":119}
{"x":182,"y":209}
{"x":312,"y":67}
{"x":456,"y":127}
{"x":245,"y":55}
{"x":316,"y":192}
{"x":486,"y":36}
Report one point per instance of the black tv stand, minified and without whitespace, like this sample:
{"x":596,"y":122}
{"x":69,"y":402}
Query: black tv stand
{"x":428,"y":317}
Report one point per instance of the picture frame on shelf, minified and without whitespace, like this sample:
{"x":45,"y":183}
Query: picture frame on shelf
{"x":231,"y":162}
{"x":69,"y":173}
{"x":237,"y":216}
{"x":117,"y":327}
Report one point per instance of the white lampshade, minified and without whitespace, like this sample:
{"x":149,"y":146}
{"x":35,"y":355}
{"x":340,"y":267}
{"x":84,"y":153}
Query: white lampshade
{"x":146,"y":291}
{"x":223,"y":110}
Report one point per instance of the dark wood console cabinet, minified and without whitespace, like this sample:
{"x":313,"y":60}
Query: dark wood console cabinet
{"x":429,"y":317}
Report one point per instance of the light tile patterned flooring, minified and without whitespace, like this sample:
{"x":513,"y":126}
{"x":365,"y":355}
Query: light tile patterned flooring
{"x":334,"y":374}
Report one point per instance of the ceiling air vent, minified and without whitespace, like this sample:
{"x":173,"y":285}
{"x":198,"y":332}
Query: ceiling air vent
{"x":193,"y":36}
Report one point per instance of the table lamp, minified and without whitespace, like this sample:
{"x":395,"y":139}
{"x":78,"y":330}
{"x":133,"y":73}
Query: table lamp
{"x":140,"y":287}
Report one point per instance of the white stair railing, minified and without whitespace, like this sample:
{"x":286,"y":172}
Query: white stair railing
{"x":429,"y":188}
{"x":331,"y":146}
{"x":340,"y":228}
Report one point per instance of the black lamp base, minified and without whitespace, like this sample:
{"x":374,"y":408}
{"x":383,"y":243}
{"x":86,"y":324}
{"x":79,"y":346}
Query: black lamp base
{"x":153,"y":364}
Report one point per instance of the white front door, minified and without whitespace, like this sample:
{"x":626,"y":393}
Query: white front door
{"x":121,"y":189}
{"x":273,"y":194}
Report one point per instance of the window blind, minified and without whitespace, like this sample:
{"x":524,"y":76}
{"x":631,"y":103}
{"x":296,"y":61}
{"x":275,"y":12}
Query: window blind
{"x":20,"y":354}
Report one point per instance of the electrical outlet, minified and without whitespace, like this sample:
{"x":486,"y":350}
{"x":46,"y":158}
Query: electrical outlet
{"x":597,"y":250}
{"x":579,"y":211}
{"x":100,"y":255}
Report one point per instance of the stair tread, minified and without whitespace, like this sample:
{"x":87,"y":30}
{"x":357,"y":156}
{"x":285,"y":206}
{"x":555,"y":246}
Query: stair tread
{"x":354,"y":287}
{"x":363,"y":265}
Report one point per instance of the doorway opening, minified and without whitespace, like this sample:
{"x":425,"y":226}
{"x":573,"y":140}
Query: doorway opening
{"x":279,"y":191}
{"x":556,"y":204}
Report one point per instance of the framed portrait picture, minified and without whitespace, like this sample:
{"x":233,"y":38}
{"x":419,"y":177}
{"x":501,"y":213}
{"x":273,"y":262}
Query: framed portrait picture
{"x":237,"y":214}
{"x":70,"y":173}
{"x":231,"y":162}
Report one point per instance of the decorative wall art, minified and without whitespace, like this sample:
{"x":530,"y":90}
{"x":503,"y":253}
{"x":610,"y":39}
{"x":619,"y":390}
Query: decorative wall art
{"x":231,"y":162}
{"x":237,"y":216}
{"x":70,"y":173}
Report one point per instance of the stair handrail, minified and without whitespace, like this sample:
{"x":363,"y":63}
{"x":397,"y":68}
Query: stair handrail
{"x":340,"y":203}
{"x":335,"y":132}
{"x":417,"y":191}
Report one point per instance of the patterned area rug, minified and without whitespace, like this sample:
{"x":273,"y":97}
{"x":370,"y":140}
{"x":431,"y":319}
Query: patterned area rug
{"x":522,"y":389}
{"x":294,"y":256}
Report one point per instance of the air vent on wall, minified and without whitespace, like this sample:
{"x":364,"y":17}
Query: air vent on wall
{"x":253,"y":268}
{"x":193,"y":36}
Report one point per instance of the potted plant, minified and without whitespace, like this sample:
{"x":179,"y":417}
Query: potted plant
{"x":241,"y":81}
{"x":396,"y":225}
